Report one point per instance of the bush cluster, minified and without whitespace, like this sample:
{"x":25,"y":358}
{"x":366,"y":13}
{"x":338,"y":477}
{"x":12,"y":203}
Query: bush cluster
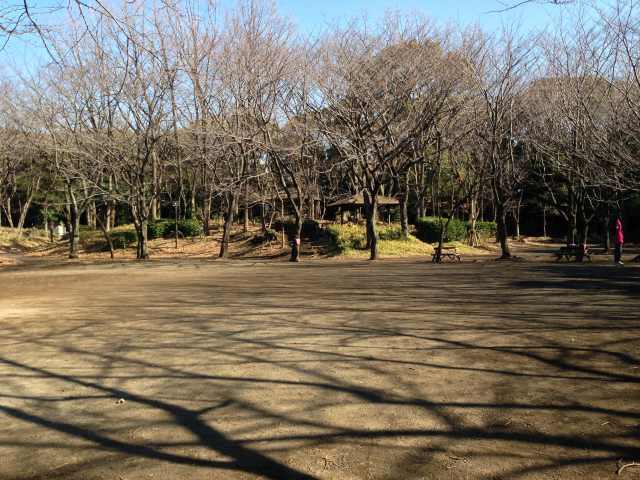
{"x":354,"y":237}
{"x":123,"y":238}
{"x":189,"y":227}
{"x":346,"y":237}
{"x":486,"y":229}
{"x":428,"y":229}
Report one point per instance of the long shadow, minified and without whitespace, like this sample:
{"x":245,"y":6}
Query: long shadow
{"x":310,"y":346}
{"x":245,"y":459}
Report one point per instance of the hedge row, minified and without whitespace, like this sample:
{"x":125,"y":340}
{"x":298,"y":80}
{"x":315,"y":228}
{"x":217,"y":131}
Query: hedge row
{"x":164,"y":228}
{"x":354,"y":236}
{"x":428,"y":229}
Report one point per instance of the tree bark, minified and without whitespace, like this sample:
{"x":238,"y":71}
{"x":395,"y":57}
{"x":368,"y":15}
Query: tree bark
{"x":607,"y":231}
{"x":296,"y":241}
{"x":206,"y":213}
{"x":106,"y":235}
{"x":473,"y":239}
{"x":503,"y":236}
{"x":93,"y":213}
{"x":141,"y":213}
{"x":371,"y":213}
{"x":228,"y":222}
{"x":109,"y":220}
{"x":74,"y":228}
{"x":35,"y":184}
{"x":516,"y":217}
{"x":404,"y":217}
{"x":443,"y":228}
{"x":8,"y":212}
{"x":245,"y":227}
{"x":155,"y":210}
{"x":142,"y":240}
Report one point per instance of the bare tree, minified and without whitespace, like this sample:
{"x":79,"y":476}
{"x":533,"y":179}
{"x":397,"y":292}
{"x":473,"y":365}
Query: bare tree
{"x":378,"y":92}
{"x":502,"y":67}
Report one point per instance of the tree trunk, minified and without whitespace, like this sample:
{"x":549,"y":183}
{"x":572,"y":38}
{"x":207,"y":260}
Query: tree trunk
{"x":312,"y":208}
{"x":404,"y":217}
{"x":155,"y":204}
{"x":371,"y":212}
{"x":74,"y":229}
{"x":296,"y":241}
{"x":8,"y":213}
{"x":583,"y":229}
{"x":206,"y":213}
{"x":502,"y":233}
{"x":607,"y":231}
{"x":143,"y":245}
{"x":516,"y":215}
{"x":106,"y":235}
{"x":472,"y":238}
{"x":571,"y":219}
{"x":110,"y":212}
{"x":571,"y":227}
{"x":228,"y":222}
{"x":25,"y":208}
{"x":443,"y":228}
{"x":45,"y":219}
{"x":93,"y":211}
{"x":141,"y":213}
{"x":245,"y":227}
{"x":282,"y":221}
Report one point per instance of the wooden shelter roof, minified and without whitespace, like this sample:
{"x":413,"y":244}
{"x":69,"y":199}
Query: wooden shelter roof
{"x":358,"y":201}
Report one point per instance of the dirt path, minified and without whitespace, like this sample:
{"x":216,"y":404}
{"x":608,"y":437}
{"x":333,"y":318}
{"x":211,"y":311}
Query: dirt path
{"x":332,"y":370}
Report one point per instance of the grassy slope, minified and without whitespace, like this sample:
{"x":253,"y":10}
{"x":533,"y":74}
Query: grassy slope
{"x":350,"y":240}
{"x":29,"y":240}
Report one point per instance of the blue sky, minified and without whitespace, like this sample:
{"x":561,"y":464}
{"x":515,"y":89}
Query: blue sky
{"x":312,"y":15}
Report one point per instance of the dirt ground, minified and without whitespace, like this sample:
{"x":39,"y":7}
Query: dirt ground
{"x":399,"y":369}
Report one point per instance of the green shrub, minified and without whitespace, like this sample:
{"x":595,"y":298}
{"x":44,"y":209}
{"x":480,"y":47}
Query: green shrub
{"x":190,"y":227}
{"x":428,"y":229}
{"x":392,"y":232}
{"x":157,"y":229}
{"x":124,"y":238}
{"x":486,"y":229}
{"x":346,"y":237}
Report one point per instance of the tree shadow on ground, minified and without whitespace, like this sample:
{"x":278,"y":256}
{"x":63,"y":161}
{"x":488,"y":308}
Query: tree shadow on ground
{"x":255,"y":370}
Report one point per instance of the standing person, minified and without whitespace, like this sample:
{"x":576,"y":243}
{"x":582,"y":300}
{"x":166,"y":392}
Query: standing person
{"x":619,"y":242}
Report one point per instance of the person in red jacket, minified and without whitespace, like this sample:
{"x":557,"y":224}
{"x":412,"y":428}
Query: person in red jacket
{"x":619,"y":242}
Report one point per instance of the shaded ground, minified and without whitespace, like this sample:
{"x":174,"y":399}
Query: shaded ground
{"x":333,"y":370}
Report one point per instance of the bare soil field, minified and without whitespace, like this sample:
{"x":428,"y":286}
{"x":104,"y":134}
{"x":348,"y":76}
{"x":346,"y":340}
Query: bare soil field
{"x":399,"y":369}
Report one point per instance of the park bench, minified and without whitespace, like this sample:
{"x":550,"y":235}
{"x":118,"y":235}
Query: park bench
{"x":450,"y":253}
{"x":572,"y":252}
